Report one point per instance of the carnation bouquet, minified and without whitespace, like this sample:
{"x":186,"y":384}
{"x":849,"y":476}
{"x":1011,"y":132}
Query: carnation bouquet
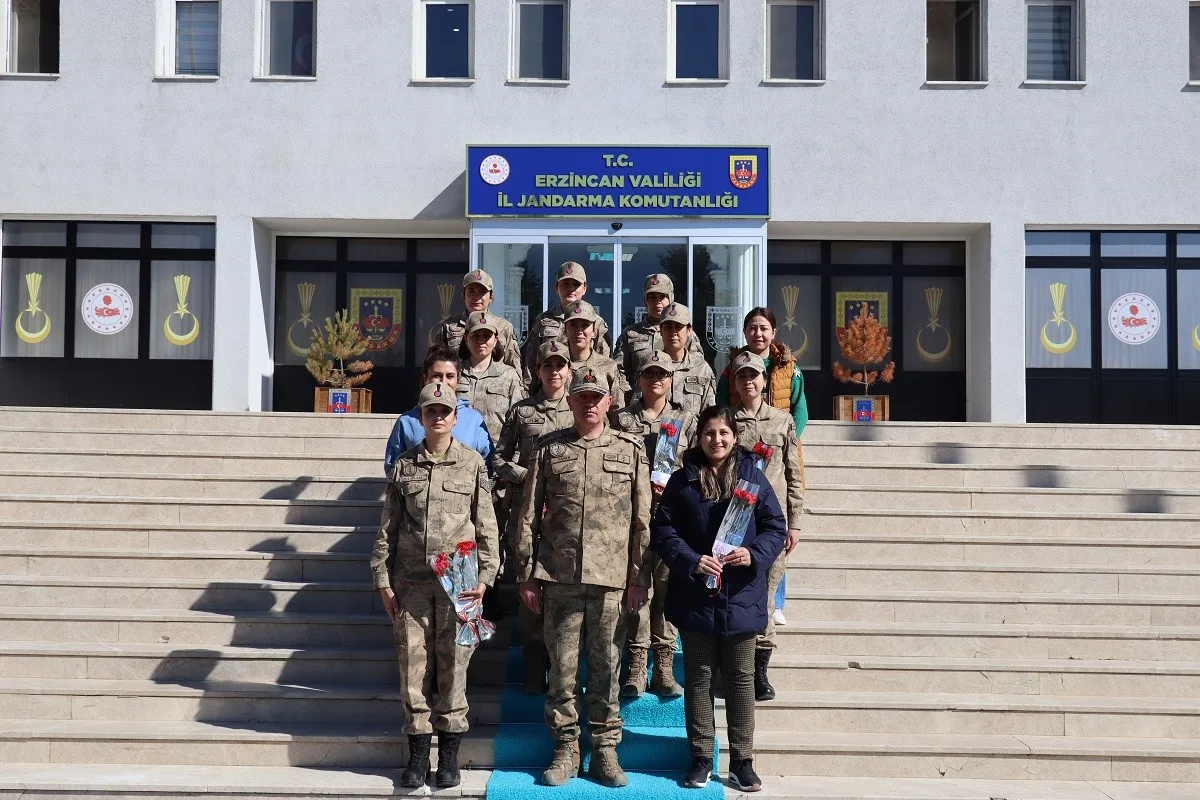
{"x":665,"y":452}
{"x":734,"y":524}
{"x":763,"y":453}
{"x":458,"y":574}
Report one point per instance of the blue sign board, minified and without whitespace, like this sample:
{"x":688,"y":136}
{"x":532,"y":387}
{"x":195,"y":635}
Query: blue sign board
{"x":587,"y":181}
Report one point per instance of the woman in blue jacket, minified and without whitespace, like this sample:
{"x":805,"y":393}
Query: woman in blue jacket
{"x":718,"y":627}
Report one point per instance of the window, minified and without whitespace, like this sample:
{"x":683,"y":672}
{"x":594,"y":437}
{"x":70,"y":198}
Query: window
{"x":30,"y":34}
{"x":699,"y":40}
{"x":289,"y":38}
{"x":953,"y":41}
{"x":189,"y":37}
{"x":1194,"y":39}
{"x":541,"y":29}
{"x":442,"y":43}
{"x":793,"y":40}
{"x":1054,"y":43}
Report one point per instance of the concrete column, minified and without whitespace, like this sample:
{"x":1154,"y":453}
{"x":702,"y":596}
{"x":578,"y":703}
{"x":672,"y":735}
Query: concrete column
{"x":242,"y":364}
{"x":996,"y":319}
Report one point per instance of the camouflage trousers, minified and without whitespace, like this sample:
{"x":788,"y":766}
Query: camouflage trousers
{"x":648,"y":627}
{"x":595,"y":614}
{"x":766,"y":639}
{"x":424,"y":630}
{"x":528,"y":623}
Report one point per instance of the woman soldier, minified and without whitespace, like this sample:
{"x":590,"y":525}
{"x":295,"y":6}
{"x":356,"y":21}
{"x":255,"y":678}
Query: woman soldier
{"x":527,"y":421}
{"x":491,"y":387}
{"x":770,"y":433}
{"x":477,"y":295}
{"x":438,"y":495}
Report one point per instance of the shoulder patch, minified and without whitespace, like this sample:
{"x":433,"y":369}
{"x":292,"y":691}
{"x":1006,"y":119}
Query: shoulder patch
{"x":557,"y":449}
{"x":525,"y":411}
{"x":631,"y":438}
{"x":625,"y":420}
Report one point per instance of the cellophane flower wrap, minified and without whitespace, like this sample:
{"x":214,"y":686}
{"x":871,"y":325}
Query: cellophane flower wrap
{"x":460,"y":573}
{"x":734,"y":524}
{"x":763,"y":453}
{"x":665,"y":452}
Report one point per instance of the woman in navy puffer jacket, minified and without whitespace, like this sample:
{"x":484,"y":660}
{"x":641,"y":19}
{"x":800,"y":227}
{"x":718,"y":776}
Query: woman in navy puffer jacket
{"x":719,"y":627}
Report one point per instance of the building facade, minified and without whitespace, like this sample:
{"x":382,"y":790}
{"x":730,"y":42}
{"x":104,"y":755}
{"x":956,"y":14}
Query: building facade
{"x":181,"y":183}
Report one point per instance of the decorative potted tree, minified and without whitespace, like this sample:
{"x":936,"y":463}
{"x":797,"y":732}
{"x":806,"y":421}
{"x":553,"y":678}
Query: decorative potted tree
{"x":330,"y":362}
{"x":865,"y":344}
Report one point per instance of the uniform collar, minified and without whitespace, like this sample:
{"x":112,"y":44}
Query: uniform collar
{"x":544,"y":403}
{"x":466,"y":369}
{"x":453,"y":452}
{"x":742,"y":413}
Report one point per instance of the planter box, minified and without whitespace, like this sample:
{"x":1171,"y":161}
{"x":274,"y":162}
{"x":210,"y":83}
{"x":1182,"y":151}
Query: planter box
{"x":360,"y":401}
{"x":843,"y":406}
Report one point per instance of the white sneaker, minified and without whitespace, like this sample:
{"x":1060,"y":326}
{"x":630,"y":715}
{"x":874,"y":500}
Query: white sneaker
{"x":778,"y":617}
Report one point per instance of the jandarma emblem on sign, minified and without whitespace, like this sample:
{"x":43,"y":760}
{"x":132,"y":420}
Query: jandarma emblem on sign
{"x":1134,"y":318}
{"x":379,"y":313}
{"x":107,"y":309}
{"x":1058,"y":296}
{"x":743,"y":171}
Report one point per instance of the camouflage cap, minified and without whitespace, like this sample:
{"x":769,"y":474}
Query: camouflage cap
{"x":582,"y":310}
{"x":571,"y":270}
{"x":481,"y":321}
{"x":677,"y":312}
{"x":587,"y":379}
{"x":553,"y":348}
{"x":658,"y":360}
{"x":480,"y":277}
{"x":747,"y":360}
{"x":659,"y":283}
{"x":438,"y":394}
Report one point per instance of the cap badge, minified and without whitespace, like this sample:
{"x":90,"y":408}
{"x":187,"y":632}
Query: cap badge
{"x":671,"y":311}
{"x":437,"y":392}
{"x":590,"y":377}
{"x":654,"y":281}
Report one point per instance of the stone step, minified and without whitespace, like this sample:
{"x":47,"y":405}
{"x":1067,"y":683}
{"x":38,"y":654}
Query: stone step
{"x":989,"y":607}
{"x":1060,"y":501}
{"x":137,"y":420}
{"x":995,"y":757}
{"x":129,"y":459}
{"x":211,"y":565}
{"x":1017,"y":524}
{"x":1046,"y":434}
{"x":220,"y":487}
{"x":263,"y":538}
{"x":1004,"y":454}
{"x":199,"y":441}
{"x":83,"y":510}
{"x":866,"y":473}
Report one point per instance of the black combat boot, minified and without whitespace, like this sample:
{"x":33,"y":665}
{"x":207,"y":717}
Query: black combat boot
{"x":417,"y":771}
{"x":447,"y":771}
{"x":763,"y":690}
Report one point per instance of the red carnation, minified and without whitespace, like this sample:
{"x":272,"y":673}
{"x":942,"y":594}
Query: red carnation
{"x":465,"y":548}
{"x":441,"y":564}
{"x":669,"y":429}
{"x":764,"y":450}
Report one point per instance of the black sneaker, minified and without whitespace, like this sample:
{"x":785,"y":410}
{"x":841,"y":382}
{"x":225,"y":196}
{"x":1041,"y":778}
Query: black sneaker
{"x":743,"y":776}
{"x":699,"y":773}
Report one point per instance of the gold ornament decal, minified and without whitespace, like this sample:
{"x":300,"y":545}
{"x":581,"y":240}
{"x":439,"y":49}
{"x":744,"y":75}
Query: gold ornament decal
{"x":182,"y":282}
{"x":1196,"y":338}
{"x":33,"y":282}
{"x":446,"y":299}
{"x":933,"y":301}
{"x":307,"y":290}
{"x":791,"y":294}
{"x":1058,"y":294}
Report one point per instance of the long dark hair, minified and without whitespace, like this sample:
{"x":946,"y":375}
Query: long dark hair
{"x":717,"y":484}
{"x":765,"y":313}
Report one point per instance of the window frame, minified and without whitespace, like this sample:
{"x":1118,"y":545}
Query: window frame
{"x":818,"y":43}
{"x":262,"y":43}
{"x":722,"y":43}
{"x":1193,"y":70}
{"x":1078,"y":50}
{"x":6,"y":47}
{"x":166,"y":52}
{"x":981,"y":52}
{"x":420,"y":61}
{"x":514,"y":68}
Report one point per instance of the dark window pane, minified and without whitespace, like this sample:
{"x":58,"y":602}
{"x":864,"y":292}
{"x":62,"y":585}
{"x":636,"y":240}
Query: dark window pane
{"x":1194,"y":33}
{"x":542,"y":42}
{"x":183,"y":237}
{"x":1133,"y":245}
{"x":697,"y":41}
{"x":33,"y":36}
{"x":196,"y":38}
{"x":1051,"y":34}
{"x":41,"y":234}
{"x":793,"y":42}
{"x":292,"y":38}
{"x":966,"y":41}
{"x":447,"y":40}
{"x":1058,"y":243}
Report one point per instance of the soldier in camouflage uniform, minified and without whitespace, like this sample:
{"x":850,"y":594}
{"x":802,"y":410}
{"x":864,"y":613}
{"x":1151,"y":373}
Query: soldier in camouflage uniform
{"x":640,"y":339}
{"x":693,"y":384}
{"x":648,"y":627}
{"x":477,"y":295}
{"x":581,"y":321}
{"x":583,"y":540}
{"x":438,"y":495}
{"x":762,"y":427}
{"x":527,"y":422}
{"x":490,"y":386}
{"x":570,"y":286}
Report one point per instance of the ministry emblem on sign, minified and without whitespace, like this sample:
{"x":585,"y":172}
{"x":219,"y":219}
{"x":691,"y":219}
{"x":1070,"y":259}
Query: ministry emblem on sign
{"x":1134,"y":318}
{"x":743,"y":171}
{"x":379,"y":312}
{"x":494,"y":170}
{"x":107,"y":309}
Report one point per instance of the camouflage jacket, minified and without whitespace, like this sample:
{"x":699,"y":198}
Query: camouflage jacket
{"x":693,"y":386}
{"x":550,"y":325}
{"x":508,"y":351}
{"x":527,"y":421}
{"x":776,"y":429}
{"x":632,"y":419}
{"x":608,"y":368}
{"x":641,"y":339}
{"x":428,"y":508}
{"x":491,"y":392}
{"x":585,"y":512}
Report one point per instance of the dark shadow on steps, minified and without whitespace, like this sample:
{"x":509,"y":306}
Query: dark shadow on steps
{"x":946,"y":453}
{"x":1043,"y":477}
{"x":1145,"y":501}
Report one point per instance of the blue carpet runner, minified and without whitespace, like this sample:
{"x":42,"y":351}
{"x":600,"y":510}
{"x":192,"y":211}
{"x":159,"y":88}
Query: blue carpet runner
{"x":653,"y":749}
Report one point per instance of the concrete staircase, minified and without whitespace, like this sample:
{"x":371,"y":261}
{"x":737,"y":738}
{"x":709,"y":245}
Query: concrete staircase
{"x":975,"y":611}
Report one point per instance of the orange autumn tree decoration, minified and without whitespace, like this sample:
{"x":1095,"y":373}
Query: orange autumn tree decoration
{"x":864,"y":342}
